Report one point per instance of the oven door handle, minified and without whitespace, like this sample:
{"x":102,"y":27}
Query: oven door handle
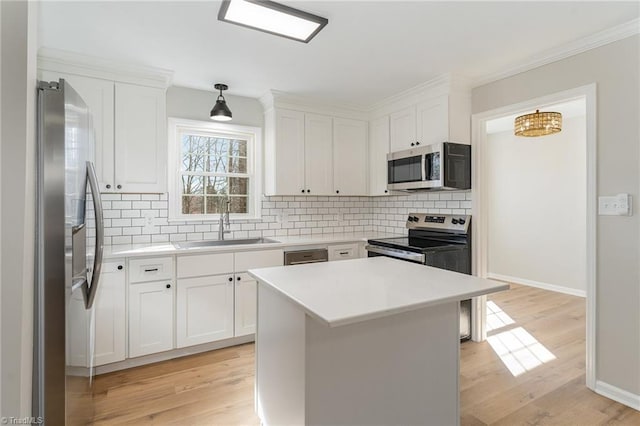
{"x":398,"y":254}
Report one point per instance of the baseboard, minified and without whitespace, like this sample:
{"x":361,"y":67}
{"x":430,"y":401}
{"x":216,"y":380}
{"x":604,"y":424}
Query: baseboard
{"x":175,"y":353}
{"x":538,"y":284}
{"x":619,"y":395}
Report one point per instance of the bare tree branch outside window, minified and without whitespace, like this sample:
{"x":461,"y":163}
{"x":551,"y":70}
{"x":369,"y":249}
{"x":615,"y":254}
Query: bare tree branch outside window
{"x":213,"y":169}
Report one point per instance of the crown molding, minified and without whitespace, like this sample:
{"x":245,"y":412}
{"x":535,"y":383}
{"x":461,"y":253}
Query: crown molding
{"x":73,"y":63}
{"x":279,"y":99}
{"x":567,"y":50}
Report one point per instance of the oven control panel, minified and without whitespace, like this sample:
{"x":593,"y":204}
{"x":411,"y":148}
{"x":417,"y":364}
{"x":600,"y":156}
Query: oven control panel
{"x":455,"y":222}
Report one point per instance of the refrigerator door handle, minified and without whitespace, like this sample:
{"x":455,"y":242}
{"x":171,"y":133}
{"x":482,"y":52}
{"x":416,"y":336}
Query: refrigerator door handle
{"x":97,"y":260}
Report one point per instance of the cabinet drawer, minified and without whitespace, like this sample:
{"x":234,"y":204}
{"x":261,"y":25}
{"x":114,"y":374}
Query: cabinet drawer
{"x":258,"y":259}
{"x":344,"y":252}
{"x":150,"y":269}
{"x":205,"y":264}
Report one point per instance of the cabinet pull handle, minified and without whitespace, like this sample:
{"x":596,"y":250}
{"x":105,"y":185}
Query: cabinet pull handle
{"x":119,"y":267}
{"x":168,"y":285}
{"x":151,"y":270}
{"x":344,"y":252}
{"x":230,"y":279}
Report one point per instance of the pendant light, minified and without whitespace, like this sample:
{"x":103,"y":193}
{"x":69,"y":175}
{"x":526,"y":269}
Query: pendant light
{"x":538,"y":124}
{"x":220,"y":111}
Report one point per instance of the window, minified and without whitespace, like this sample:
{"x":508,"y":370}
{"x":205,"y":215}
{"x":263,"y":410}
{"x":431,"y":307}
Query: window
{"x":212,"y":165}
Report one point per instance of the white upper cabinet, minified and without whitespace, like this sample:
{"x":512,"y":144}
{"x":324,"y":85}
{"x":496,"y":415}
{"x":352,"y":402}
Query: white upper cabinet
{"x":128,"y":107}
{"x":433,"y":121}
{"x":284,"y":156}
{"x":318,"y":159}
{"x":403,"y":129}
{"x":378,"y":150}
{"x":444,"y":118}
{"x":349,"y":156}
{"x":140,"y":138}
{"x":98,"y":94}
{"x":302,"y":155}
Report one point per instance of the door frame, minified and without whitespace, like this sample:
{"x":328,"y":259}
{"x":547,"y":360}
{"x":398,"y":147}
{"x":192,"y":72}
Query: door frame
{"x":480,"y":208}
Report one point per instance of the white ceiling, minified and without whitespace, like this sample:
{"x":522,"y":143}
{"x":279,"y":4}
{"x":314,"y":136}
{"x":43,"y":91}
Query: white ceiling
{"x":367,"y":52}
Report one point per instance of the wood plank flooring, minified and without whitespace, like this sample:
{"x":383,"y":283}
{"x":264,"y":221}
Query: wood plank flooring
{"x":216,"y":388}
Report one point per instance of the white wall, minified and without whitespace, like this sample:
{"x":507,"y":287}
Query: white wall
{"x":615,"y":68}
{"x":18,"y":85}
{"x":196,"y":104}
{"x":537,"y":206}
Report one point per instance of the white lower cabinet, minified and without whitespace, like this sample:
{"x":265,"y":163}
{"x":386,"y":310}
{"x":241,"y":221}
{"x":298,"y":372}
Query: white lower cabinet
{"x":204,"y":307}
{"x":344,"y":252}
{"x":151,"y":319}
{"x":110,"y":325}
{"x":245,"y":305}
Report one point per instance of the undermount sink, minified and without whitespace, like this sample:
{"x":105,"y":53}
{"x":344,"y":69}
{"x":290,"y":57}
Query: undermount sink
{"x":217,"y":243}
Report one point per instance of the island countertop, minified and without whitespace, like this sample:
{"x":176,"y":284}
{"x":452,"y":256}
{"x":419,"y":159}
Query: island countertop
{"x":351,"y":291}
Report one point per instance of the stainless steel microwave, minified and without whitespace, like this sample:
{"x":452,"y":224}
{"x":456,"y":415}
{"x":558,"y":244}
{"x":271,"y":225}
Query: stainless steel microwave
{"x":442,"y":166}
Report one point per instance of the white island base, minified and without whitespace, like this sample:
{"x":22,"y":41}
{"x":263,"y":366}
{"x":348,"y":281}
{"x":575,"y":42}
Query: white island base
{"x":360,"y":342}
{"x":395,"y":370}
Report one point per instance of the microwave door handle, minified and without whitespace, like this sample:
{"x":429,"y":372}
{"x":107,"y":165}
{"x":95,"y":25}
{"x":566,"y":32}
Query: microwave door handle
{"x":97,"y":260}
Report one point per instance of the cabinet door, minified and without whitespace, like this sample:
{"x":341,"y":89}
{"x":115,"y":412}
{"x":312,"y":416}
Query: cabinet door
{"x":378,"y":150}
{"x":318,"y":154}
{"x":289,"y":153}
{"x":140,"y":138}
{"x":150,"y":318}
{"x":402,"y":125}
{"x":98,"y":95}
{"x":350,"y":157}
{"x":110,"y":315}
{"x":204,"y":309}
{"x":245,"y":305}
{"x":433,"y":121}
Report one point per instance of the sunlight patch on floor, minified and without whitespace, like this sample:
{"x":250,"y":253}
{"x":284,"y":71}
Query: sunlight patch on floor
{"x":519,"y":351}
{"x":496,"y":317}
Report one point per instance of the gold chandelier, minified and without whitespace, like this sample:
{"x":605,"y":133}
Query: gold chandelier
{"x":538,"y":124}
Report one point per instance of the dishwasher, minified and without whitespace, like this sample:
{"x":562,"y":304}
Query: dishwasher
{"x":299,"y":257}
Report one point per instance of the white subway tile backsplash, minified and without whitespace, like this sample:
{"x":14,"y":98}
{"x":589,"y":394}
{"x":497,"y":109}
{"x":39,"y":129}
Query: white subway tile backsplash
{"x":125,"y":216}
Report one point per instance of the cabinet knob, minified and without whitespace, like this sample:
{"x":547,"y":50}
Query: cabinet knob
{"x":108,"y":186}
{"x":238,"y":278}
{"x":119,"y":186}
{"x":168,"y":285}
{"x":303,"y":191}
{"x":386,"y":191}
{"x":308,"y":190}
{"x":417,"y":143}
{"x":230,"y":279}
{"x":337,"y":191}
{"x":119,"y":267}
{"x":413,"y":144}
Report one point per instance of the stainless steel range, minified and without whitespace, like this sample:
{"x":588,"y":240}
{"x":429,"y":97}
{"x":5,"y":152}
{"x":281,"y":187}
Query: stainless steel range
{"x":438,"y":240}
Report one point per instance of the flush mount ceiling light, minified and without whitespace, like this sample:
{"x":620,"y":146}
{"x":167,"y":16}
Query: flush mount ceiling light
{"x":538,"y":124}
{"x":220,"y":111}
{"x":272,"y":18}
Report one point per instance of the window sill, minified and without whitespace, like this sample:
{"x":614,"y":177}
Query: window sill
{"x":211,"y":219}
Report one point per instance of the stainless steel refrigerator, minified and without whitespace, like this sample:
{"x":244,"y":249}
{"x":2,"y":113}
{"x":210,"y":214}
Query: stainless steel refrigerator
{"x":69,"y":257}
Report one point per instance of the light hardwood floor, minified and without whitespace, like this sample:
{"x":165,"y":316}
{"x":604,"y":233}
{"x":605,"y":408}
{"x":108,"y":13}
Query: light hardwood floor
{"x":216,"y":388}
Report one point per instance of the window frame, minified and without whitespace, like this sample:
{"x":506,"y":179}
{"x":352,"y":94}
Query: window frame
{"x":253,"y":136}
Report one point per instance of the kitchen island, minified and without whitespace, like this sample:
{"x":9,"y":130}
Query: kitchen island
{"x":370,"y":341}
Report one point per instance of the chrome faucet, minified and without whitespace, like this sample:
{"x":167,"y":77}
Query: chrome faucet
{"x":224,"y":220}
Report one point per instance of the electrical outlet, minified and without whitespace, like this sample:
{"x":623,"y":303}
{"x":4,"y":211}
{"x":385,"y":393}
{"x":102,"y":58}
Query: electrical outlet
{"x":148,"y":221}
{"x":616,"y":205}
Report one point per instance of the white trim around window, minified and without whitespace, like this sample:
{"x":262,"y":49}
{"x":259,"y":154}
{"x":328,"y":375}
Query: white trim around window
{"x":253,"y":135}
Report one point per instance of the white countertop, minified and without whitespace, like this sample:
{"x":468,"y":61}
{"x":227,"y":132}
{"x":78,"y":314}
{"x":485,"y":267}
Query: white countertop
{"x":351,"y":291}
{"x":159,"y":249}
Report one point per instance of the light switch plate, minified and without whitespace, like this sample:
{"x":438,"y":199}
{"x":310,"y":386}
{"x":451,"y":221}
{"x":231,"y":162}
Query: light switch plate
{"x":615,"y":205}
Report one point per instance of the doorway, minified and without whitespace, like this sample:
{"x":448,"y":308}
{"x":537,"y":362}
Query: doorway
{"x":504,"y":169}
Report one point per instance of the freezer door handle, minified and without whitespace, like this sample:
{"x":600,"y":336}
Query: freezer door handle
{"x":90,"y":291}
